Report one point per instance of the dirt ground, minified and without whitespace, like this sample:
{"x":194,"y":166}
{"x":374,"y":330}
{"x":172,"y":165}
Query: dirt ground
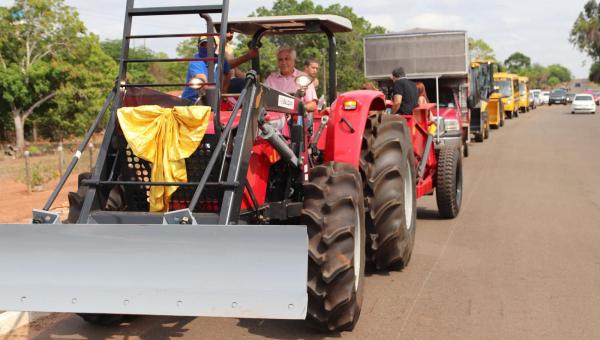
{"x":16,"y":203}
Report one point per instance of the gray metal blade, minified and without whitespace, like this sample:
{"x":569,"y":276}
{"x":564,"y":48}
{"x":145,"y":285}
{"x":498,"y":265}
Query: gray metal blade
{"x":196,"y":270}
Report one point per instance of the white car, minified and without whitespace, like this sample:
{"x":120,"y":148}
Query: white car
{"x":545,"y":95}
{"x":537,"y":95}
{"x":583,"y":103}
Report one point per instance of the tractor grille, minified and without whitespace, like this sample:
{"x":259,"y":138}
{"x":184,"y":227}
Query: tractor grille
{"x":139,"y":170}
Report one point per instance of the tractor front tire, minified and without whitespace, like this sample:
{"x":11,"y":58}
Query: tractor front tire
{"x":387,"y":165}
{"x":449,"y":182}
{"x":335,"y":216}
{"x":75,"y":204}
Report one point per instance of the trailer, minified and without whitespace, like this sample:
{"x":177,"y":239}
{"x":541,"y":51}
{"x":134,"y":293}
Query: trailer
{"x":437,"y":58}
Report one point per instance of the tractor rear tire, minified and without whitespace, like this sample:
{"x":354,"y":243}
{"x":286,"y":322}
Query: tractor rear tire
{"x":335,"y":216}
{"x":75,"y":204}
{"x":449,"y":182}
{"x":387,"y":165}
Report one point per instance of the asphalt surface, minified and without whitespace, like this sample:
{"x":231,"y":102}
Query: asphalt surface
{"x":522,"y":260}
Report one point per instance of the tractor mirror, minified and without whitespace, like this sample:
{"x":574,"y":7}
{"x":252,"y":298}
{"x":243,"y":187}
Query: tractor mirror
{"x":303,"y":81}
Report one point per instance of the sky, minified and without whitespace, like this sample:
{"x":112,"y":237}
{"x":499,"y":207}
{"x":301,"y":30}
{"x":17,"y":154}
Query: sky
{"x":537,"y":28}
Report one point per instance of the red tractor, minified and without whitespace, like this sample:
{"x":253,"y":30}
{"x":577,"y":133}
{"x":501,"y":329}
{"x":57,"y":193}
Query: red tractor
{"x":280,"y":213}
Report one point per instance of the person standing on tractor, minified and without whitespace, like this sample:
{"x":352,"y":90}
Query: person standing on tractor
{"x":199,"y":69}
{"x":285,"y":79}
{"x":404,"y":93}
{"x":422,"y":94}
{"x":311,"y":67}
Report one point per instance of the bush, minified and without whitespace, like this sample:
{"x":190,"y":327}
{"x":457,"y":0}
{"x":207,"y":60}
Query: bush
{"x":34,"y":150}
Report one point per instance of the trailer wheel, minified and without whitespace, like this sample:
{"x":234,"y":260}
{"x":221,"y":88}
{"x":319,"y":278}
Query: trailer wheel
{"x":75,"y":204}
{"x":449,"y":182}
{"x":335,"y":216}
{"x":387,"y":165}
{"x":486,"y":131}
{"x":479,"y":136}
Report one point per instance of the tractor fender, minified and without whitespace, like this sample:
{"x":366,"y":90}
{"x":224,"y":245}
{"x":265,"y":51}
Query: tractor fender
{"x":346,"y":125}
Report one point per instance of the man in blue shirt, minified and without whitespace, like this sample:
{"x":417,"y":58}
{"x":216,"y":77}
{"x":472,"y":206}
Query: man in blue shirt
{"x":199,"y":69}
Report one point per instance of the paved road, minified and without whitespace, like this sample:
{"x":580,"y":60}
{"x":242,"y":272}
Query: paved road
{"x":522,"y":261}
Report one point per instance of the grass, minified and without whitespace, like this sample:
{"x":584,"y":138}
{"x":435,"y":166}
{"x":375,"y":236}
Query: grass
{"x":48,"y":164}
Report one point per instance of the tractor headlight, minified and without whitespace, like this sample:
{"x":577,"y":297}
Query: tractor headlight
{"x":350,"y":105}
{"x":451,"y":125}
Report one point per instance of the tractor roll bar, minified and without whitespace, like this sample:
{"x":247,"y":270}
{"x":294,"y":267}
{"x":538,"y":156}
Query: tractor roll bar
{"x":331,"y":53}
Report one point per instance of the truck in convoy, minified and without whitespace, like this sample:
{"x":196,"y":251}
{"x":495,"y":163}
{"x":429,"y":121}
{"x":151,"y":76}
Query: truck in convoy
{"x":508,"y":85}
{"x":485,"y":101}
{"x":524,"y":94}
{"x":437,"y":58}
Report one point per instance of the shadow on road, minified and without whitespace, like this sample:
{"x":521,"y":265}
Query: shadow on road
{"x":428,"y":214}
{"x":282,"y":329}
{"x":141,"y":327}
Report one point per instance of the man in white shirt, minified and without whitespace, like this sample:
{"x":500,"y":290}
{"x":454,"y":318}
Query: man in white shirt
{"x":285,"y":79}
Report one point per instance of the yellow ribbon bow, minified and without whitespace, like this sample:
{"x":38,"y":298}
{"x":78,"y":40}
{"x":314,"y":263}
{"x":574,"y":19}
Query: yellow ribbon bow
{"x":165,"y":137}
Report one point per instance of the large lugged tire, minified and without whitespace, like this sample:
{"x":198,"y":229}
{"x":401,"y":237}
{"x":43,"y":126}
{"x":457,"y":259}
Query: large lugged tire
{"x":334,"y":213}
{"x":387,"y":164}
{"x":449,"y":182}
{"x":75,"y":204}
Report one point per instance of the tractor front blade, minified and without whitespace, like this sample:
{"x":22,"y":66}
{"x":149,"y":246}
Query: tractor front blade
{"x":249,"y":271}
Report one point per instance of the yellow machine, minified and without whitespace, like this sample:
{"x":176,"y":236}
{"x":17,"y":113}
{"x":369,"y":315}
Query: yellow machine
{"x":508,"y":85}
{"x":491,"y":107}
{"x":524,"y":94}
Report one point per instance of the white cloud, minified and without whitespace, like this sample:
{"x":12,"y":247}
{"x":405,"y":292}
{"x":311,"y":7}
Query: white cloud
{"x":436,"y":20}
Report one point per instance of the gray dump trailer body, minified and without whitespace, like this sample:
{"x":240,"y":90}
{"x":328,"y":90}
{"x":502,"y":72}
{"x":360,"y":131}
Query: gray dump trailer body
{"x":422,"y":54}
{"x":438,"y":58}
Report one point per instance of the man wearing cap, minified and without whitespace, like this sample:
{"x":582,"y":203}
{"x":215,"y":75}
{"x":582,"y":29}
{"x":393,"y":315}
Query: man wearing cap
{"x":199,"y":69}
{"x":285,"y":79}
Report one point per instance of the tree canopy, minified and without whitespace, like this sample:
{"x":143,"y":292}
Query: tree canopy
{"x":479,"y":49}
{"x":517,"y":62}
{"x":50,"y":67}
{"x":584,"y":33}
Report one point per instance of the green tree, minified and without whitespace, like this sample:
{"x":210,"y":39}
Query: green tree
{"x":479,"y":49}
{"x":595,"y":72}
{"x":560,"y":72}
{"x":41,"y":65}
{"x":91,"y":74}
{"x":147,"y":73}
{"x":537,"y":74}
{"x":553,"y":81}
{"x":584,"y":33}
{"x":517,"y":62}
